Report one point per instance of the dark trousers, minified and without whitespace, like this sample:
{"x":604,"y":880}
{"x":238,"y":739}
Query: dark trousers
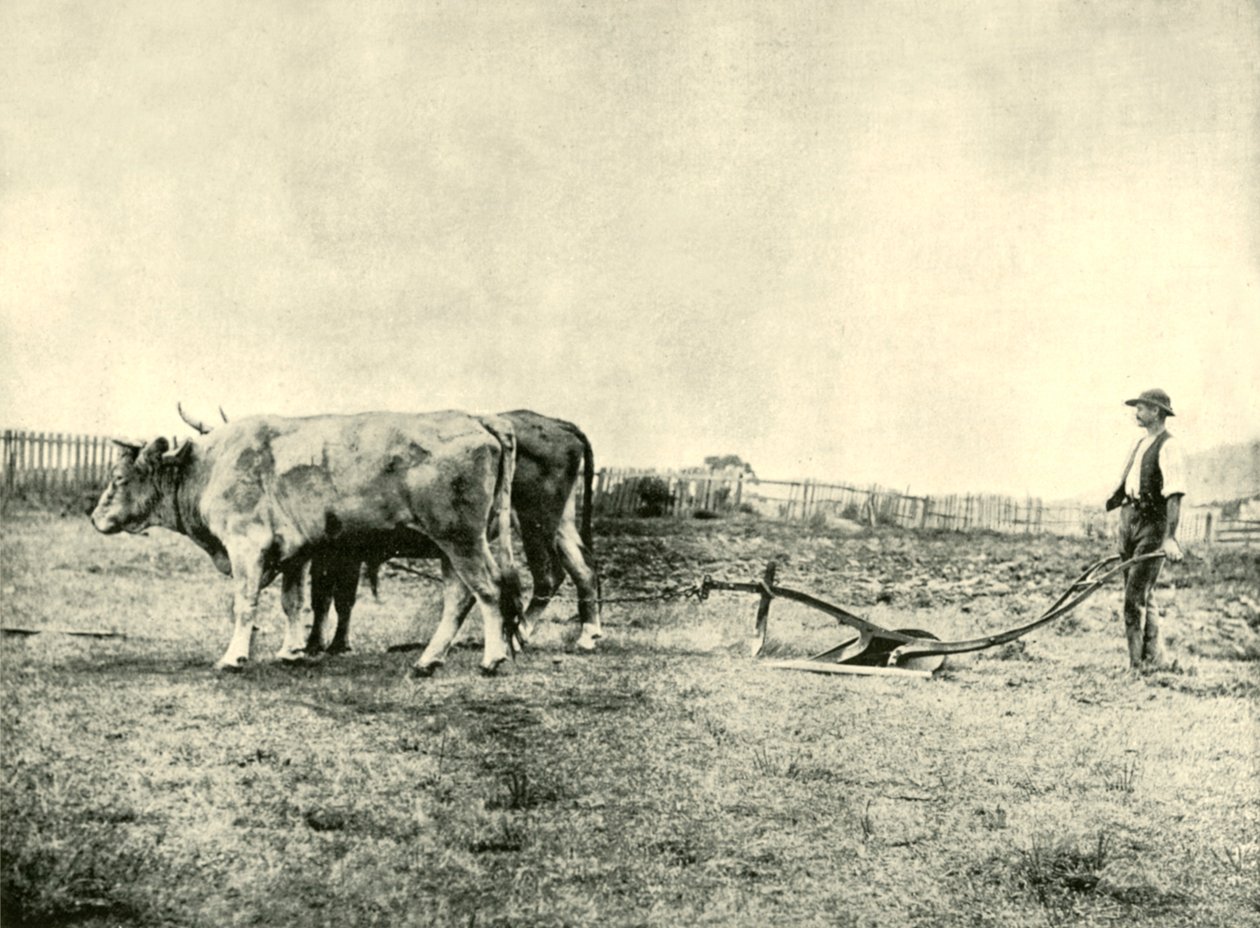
{"x":1141,"y":534}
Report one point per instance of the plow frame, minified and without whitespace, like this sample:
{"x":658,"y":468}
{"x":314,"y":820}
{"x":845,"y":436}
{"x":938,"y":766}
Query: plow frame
{"x":900,"y":652}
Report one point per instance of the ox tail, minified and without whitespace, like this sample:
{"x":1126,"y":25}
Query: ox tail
{"x":588,"y":500}
{"x":588,"y":485}
{"x":588,"y":511}
{"x":510,"y":590}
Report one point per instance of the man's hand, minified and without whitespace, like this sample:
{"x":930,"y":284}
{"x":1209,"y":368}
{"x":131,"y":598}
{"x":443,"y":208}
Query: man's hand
{"x":1172,"y":550}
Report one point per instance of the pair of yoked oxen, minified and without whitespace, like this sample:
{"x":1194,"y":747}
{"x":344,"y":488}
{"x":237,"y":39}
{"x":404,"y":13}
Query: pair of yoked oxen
{"x":265,"y":496}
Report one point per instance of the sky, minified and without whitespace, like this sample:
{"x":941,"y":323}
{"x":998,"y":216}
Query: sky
{"x":933,"y":246}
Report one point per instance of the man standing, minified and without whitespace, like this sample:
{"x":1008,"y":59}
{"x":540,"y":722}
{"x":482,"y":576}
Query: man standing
{"x":1150,"y":494}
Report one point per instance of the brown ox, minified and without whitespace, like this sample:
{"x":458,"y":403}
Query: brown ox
{"x":265,"y":494}
{"x":550,"y":456}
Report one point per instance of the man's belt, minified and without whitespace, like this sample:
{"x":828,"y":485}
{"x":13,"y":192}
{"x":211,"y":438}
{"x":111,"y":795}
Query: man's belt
{"x":1154,"y":507}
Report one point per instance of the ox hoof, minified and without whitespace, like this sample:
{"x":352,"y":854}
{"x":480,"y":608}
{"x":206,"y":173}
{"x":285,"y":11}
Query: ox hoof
{"x":492,"y":669}
{"x":292,"y":656}
{"x":588,"y":640}
{"x":336,"y":648}
{"x":423,"y":671}
{"x":233,"y":666}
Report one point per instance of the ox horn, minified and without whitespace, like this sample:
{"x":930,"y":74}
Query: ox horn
{"x":200,"y":428}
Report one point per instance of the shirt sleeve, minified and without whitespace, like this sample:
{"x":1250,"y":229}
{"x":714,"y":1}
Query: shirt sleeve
{"x":1172,"y":464}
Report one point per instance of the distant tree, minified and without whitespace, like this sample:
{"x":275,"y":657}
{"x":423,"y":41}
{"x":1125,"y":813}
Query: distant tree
{"x":655,"y":498}
{"x":723,"y":461}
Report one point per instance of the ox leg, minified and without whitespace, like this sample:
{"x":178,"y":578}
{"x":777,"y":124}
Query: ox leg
{"x":345,"y":592}
{"x":296,"y":632}
{"x":249,"y":573}
{"x":485,"y":581}
{"x":456,"y":604}
{"x":545,"y":569}
{"x":321,"y":601}
{"x":573,"y":555}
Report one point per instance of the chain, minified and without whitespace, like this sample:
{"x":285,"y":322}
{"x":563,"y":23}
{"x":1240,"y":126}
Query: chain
{"x":424,"y":574}
{"x":683,"y":591}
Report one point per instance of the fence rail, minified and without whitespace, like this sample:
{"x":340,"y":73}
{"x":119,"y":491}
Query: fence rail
{"x":54,"y":468}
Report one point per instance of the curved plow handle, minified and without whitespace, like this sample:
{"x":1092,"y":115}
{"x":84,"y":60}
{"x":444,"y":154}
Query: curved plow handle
{"x":1082,"y":589}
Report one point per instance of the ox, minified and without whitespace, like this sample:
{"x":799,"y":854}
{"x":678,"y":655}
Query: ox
{"x":265,"y":494}
{"x":550,"y":454}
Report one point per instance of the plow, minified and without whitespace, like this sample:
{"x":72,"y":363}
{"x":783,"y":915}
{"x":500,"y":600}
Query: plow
{"x":906,"y":652}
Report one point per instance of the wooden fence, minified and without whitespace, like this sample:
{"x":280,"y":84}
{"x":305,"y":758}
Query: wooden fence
{"x":53,"y":468}
{"x":620,"y":492}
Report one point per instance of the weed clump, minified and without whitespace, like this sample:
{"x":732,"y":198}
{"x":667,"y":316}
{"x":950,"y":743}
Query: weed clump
{"x":1049,"y":868}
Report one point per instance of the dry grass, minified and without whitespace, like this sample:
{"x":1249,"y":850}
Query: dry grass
{"x":667,"y":780}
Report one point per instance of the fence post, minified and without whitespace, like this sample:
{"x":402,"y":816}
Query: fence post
{"x":43,"y":472}
{"x":22,"y":440}
{"x":9,"y":462}
{"x":59,"y":475}
{"x":8,"y":470}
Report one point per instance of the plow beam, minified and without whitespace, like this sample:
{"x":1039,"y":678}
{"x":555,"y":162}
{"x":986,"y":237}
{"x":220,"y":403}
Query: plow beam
{"x":866,"y":654}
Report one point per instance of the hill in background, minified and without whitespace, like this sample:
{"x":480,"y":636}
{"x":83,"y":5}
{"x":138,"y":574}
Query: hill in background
{"x":1225,"y":473}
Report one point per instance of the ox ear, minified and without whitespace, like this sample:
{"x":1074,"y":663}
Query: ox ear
{"x":179,"y":457}
{"x":151,"y":456}
{"x":127,"y":450}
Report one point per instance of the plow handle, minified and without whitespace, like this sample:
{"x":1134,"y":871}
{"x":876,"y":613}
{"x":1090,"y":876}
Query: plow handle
{"x":1088,"y":583}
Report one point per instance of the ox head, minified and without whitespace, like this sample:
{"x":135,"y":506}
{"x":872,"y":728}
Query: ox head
{"x":141,"y":477}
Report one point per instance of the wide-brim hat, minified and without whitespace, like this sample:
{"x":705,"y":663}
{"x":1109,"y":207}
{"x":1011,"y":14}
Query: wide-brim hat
{"x":1157,"y":398}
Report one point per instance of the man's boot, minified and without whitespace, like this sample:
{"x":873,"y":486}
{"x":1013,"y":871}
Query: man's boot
{"x":1153,"y":653}
{"x":1136,"y":645}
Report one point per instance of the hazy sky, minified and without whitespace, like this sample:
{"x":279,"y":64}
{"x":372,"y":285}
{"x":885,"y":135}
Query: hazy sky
{"x":930,"y":245}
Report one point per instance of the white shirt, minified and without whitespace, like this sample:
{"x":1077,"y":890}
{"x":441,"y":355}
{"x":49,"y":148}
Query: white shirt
{"x":1172,"y":464}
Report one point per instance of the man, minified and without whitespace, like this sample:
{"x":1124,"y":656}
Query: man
{"x":1149,"y":495}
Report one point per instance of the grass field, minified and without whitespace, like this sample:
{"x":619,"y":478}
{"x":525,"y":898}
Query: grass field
{"x":666,"y":780}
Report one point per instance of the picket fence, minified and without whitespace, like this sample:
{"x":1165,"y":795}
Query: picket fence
{"x":53,"y":468}
{"x":57,"y":469}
